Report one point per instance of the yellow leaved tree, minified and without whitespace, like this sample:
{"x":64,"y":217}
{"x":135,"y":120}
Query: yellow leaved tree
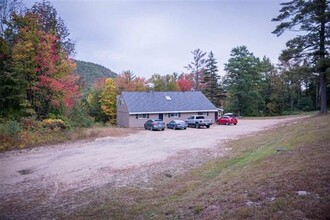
{"x":108,"y":100}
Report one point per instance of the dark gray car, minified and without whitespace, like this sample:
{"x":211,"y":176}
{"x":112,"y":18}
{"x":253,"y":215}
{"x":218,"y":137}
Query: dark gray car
{"x":154,"y":124}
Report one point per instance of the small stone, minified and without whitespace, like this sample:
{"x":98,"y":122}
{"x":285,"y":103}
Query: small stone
{"x":302,"y":193}
{"x":280,"y":149}
{"x":25,"y":172}
{"x":250,"y":203}
{"x":168,"y":175}
{"x":271,"y":199}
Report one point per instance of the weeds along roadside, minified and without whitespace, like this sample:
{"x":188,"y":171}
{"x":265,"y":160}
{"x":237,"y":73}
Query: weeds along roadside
{"x":28,"y":132}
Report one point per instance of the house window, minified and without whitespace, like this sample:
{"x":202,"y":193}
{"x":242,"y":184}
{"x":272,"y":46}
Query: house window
{"x":142,"y":116}
{"x":174,"y":115}
{"x":203,"y":113}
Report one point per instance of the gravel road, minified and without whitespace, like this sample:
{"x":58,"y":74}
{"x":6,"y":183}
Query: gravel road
{"x":42,"y":176}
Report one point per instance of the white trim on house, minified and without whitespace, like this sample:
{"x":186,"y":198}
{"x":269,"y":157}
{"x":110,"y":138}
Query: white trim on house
{"x":165,"y":112}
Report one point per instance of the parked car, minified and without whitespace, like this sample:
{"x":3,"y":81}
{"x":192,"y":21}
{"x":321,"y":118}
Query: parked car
{"x":199,"y":120}
{"x":154,"y":124}
{"x":177,"y":124}
{"x":227,"y":119}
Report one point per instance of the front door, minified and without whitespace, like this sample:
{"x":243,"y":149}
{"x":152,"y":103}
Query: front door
{"x":161,"y":116}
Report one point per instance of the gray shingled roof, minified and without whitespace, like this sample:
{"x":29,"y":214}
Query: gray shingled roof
{"x":147,"y":102}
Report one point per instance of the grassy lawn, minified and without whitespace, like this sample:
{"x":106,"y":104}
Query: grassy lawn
{"x":283,"y":173}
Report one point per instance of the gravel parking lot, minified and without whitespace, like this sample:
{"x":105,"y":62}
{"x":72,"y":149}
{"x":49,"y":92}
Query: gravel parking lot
{"x":56,"y":171}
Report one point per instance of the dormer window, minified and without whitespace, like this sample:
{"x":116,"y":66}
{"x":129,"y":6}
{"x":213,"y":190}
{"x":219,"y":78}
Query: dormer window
{"x":168,"y":98}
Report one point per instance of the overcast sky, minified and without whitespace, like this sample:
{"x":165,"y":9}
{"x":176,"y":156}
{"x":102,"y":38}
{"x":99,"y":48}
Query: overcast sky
{"x":150,"y":37}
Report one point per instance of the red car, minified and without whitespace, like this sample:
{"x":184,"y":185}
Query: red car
{"x":227,"y":120}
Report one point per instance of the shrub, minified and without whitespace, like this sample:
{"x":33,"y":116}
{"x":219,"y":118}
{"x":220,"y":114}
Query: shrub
{"x":11,"y":128}
{"x":29,"y":123}
{"x":53,"y":124}
{"x":79,"y":117}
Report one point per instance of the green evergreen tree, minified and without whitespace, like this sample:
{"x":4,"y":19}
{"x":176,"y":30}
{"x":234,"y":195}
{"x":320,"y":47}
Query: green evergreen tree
{"x":296,"y":80}
{"x":243,"y":82}
{"x":312,"y":19}
{"x":10,"y":93}
{"x":212,"y":88}
{"x":272,"y":92}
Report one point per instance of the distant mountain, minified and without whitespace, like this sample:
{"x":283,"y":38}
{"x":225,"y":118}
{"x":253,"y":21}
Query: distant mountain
{"x":89,"y":72}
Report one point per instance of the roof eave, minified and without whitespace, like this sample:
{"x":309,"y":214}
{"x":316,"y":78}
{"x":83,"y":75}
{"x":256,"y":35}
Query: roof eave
{"x":164,"y":112}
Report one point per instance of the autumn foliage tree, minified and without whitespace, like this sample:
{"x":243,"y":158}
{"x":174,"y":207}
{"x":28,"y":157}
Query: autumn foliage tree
{"x":25,"y":36}
{"x":56,"y":87}
{"x":128,"y":82}
{"x":93,"y":101}
{"x":39,"y":67}
{"x":185,"y":82}
{"x":51,"y":23}
{"x":108,"y":100}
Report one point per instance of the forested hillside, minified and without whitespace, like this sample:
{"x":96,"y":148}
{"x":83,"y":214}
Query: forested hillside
{"x":89,"y":72}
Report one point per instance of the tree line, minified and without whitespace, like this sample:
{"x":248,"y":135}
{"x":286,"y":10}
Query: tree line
{"x":37,"y":70}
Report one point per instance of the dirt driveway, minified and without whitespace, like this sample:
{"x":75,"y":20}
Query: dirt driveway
{"x":35,"y":181}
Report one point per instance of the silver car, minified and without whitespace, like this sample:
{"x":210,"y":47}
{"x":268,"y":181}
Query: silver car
{"x":154,"y":124}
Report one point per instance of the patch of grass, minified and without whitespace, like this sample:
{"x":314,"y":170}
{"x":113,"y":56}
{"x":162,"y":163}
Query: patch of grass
{"x":253,"y":181}
{"x":99,"y":132}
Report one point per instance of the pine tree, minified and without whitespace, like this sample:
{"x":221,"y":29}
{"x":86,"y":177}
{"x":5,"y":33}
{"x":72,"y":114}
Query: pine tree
{"x":211,"y":80}
{"x":272,"y":88}
{"x":197,"y":68}
{"x":312,"y":19}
